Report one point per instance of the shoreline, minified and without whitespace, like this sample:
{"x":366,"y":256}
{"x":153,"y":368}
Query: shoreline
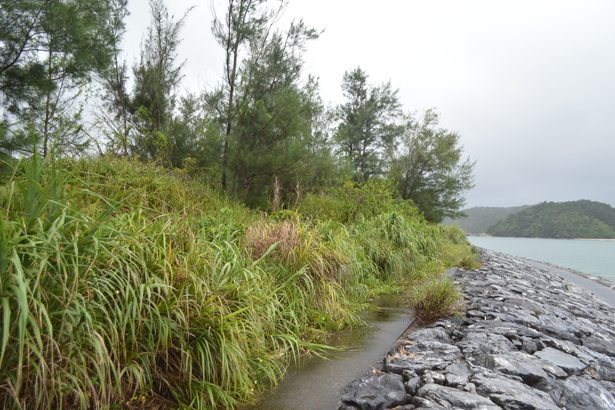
{"x":484,"y":235}
{"x":602,"y":280}
{"x":598,"y":279}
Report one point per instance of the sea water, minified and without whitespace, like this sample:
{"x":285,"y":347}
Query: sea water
{"x":593,"y":256}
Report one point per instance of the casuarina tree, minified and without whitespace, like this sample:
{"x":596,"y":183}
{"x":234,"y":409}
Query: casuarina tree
{"x":430,"y":169}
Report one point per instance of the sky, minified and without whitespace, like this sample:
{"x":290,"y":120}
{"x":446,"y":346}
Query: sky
{"x":529,"y":85}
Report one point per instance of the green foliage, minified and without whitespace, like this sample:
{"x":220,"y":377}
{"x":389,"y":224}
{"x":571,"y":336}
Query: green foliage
{"x":156,"y":78}
{"x":268,"y":115}
{"x":352,"y":202}
{"x":397,"y":245}
{"x":125,"y":284}
{"x":577,"y":219}
{"x":430,"y":170}
{"x":49,"y":51}
{"x":435,"y":299}
{"x":368,"y":124}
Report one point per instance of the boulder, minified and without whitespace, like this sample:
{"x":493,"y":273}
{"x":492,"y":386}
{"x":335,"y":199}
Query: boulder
{"x":375,"y":392}
{"x":454,"y":398}
{"x":565,"y":361}
{"x":520,"y":364}
{"x":511,"y":394}
{"x":583,"y":393}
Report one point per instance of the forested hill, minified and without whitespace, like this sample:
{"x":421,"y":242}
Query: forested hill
{"x":577,"y":219}
{"x":479,"y":219}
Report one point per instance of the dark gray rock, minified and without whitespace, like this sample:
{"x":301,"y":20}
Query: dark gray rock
{"x":600,"y":344}
{"x":512,"y":394}
{"x":450,"y":397}
{"x":529,"y":340}
{"x":437,"y":334}
{"x":520,"y":364}
{"x":457,"y":374}
{"x":582,"y":393}
{"x":565,"y":361}
{"x":347,"y":407}
{"x":422,"y":356}
{"x":408,"y":374}
{"x":412,"y":385}
{"x":510,"y":330}
{"x":375,"y":392}
{"x":562,"y":329}
{"x":485,"y":343}
{"x":528,"y":345}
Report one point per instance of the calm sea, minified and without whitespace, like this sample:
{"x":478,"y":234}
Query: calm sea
{"x":595,"y":257}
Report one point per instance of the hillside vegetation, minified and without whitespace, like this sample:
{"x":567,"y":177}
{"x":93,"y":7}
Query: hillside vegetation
{"x":220,"y":232}
{"x":479,"y":219}
{"x":577,"y":219}
{"x":124,"y":285}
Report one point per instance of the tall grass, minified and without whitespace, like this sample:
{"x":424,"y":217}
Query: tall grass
{"x":124,"y":286}
{"x":434,"y":299}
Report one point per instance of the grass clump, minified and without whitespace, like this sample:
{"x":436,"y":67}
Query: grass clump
{"x":122,"y":284}
{"x":434,"y":299}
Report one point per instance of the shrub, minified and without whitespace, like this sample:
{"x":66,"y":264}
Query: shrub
{"x":434,"y":299}
{"x":122,"y":284}
{"x":349,"y":203}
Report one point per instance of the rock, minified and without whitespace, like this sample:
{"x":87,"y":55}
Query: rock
{"x":412,"y":385}
{"x":457,"y":374}
{"x":408,"y":374}
{"x":512,"y":394}
{"x":518,"y":364}
{"x":528,"y":345}
{"x":510,"y":330}
{"x":582,"y":393}
{"x":375,"y":392}
{"x":347,"y":407}
{"x":562,"y":329}
{"x":485,"y":343}
{"x":528,"y":340}
{"x":430,"y":376}
{"x":422,"y":356}
{"x":475,"y":313}
{"x":600,"y":344}
{"x":569,"y":363}
{"x":553,"y":370}
{"x":471,"y":387}
{"x":601,"y":364}
{"x":448,"y":396}
{"x":424,"y":404}
{"x":431,"y":334}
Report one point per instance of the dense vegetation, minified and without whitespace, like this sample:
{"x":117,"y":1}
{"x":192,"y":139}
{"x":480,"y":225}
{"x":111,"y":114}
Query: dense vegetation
{"x":262,"y":128}
{"x":179,"y":250}
{"x":125,"y":285}
{"x":479,"y":219}
{"x":577,"y":219}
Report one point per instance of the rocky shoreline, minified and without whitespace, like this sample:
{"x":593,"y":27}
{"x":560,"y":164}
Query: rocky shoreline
{"x":603,"y":281}
{"x":527,"y":340}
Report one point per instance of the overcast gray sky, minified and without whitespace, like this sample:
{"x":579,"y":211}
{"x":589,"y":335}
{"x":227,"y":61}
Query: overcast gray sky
{"x":529,"y":85}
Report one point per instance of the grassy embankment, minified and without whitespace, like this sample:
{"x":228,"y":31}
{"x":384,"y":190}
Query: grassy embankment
{"x":124,"y":286}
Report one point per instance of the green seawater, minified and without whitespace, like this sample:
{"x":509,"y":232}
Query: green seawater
{"x":593,"y":256}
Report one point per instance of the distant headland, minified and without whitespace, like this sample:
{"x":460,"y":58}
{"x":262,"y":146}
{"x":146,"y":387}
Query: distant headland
{"x":581,"y":219}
